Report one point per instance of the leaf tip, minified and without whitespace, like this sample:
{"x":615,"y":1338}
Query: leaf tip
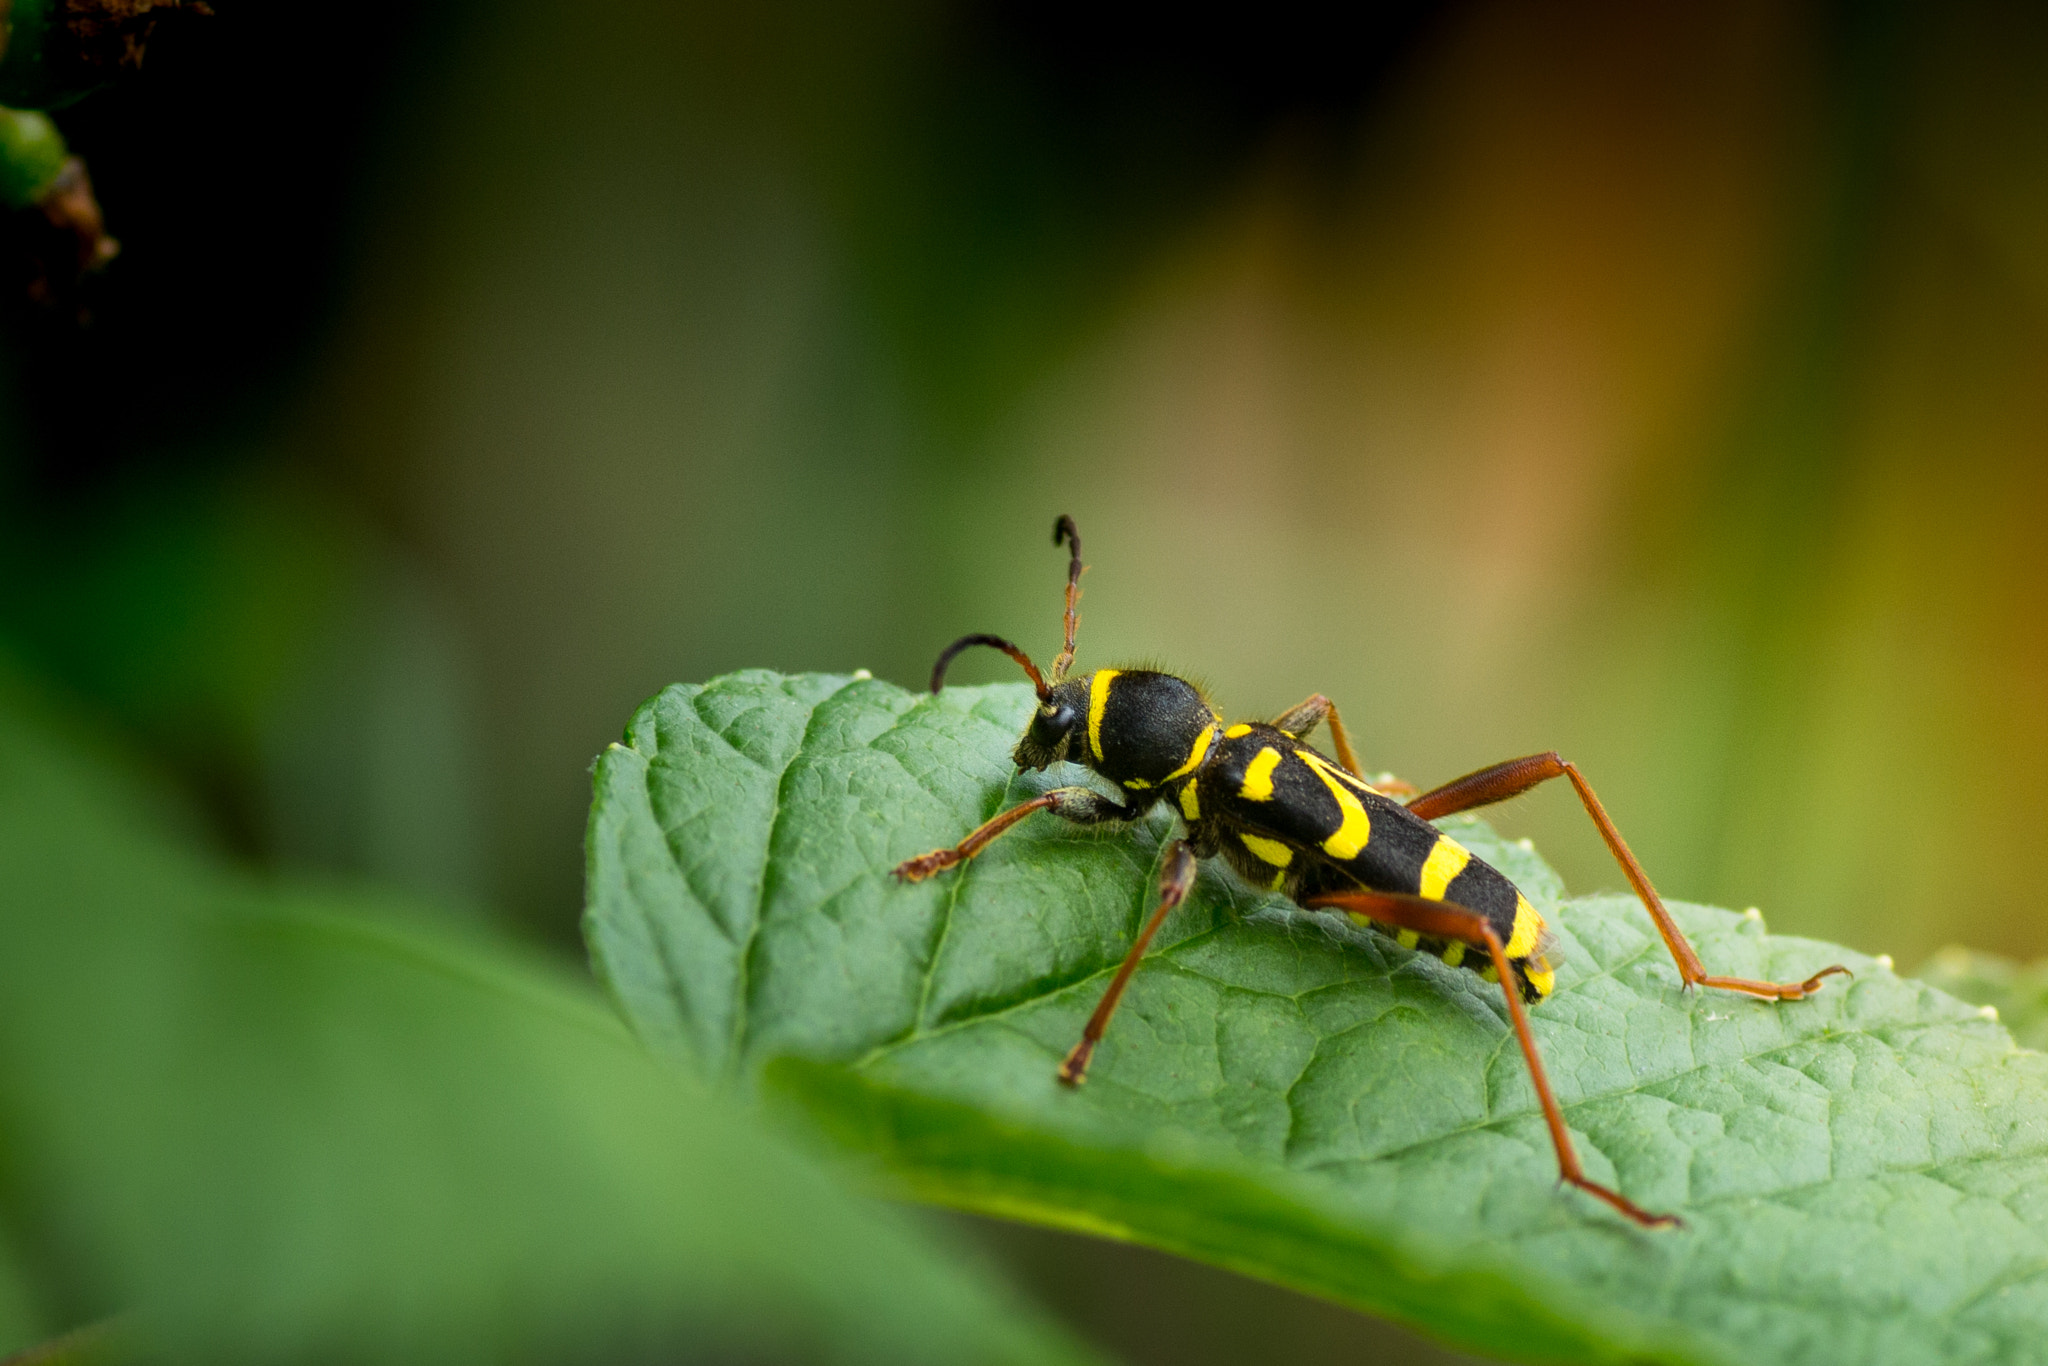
{"x":1988,"y":1012}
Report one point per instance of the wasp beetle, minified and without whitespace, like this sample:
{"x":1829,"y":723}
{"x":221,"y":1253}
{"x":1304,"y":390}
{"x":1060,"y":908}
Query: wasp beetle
{"x":1290,"y":818}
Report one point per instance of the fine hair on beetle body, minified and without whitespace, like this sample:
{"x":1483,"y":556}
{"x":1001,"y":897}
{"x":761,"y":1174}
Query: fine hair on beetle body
{"x":1289,"y":818}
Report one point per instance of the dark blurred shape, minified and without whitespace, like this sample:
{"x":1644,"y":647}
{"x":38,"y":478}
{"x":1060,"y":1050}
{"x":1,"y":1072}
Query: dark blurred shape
{"x":52,"y":235}
{"x":229,"y":163}
{"x":58,"y":51}
{"x":52,"y":247}
{"x":1252,"y":66}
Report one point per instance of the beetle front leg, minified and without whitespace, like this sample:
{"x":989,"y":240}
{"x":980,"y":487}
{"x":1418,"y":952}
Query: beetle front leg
{"x":1081,"y":805}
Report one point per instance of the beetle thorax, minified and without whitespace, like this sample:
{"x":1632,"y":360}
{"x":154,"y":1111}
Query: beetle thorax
{"x":1140,"y":726}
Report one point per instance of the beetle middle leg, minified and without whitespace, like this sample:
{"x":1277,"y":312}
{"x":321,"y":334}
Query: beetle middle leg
{"x":1175,"y":879}
{"x":1305,"y":715}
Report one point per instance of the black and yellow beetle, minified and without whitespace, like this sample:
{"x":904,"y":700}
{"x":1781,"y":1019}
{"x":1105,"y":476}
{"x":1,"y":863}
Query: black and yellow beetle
{"x":1287,"y":817}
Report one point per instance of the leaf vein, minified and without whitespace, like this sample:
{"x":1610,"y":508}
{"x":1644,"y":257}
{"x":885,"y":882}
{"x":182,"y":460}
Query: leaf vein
{"x":744,"y":968}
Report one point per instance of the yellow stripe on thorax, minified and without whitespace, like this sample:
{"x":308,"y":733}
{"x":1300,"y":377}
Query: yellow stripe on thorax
{"x":1196,"y":753}
{"x":1190,"y":805}
{"x":1447,"y":859}
{"x":1356,"y":828}
{"x":1098,"y":698}
{"x":1237,"y":732}
{"x":1258,"y":776}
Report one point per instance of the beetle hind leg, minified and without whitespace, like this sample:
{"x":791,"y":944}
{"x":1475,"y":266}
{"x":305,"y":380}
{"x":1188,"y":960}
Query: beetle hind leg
{"x":1447,"y":920}
{"x":1516,"y":776}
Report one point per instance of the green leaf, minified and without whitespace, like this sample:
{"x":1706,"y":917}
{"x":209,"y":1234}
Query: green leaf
{"x":1865,"y":1174}
{"x":2018,"y":992}
{"x":252,"y":1123}
{"x":32,"y":152}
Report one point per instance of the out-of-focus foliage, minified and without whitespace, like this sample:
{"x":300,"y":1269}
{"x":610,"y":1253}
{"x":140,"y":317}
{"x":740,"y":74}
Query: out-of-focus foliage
{"x":1861,"y":1172}
{"x":246,"y":1122}
{"x":2017,"y":991}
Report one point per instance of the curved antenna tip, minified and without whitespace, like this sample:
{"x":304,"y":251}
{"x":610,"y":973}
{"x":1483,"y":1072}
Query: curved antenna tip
{"x":994,"y":642}
{"x":1064,"y":532}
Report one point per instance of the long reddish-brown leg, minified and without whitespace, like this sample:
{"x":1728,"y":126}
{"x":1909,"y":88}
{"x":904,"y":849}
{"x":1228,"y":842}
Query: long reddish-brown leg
{"x":938,"y":860}
{"x":1081,"y":805}
{"x":1305,"y":715}
{"x":1174,"y":881}
{"x":1517,"y":776}
{"x":1447,"y":920}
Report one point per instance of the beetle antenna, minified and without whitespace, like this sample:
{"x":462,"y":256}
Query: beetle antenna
{"x":967,"y":642}
{"x":1064,"y":532}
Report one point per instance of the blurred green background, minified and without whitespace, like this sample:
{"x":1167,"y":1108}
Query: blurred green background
{"x":1665,"y":385}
